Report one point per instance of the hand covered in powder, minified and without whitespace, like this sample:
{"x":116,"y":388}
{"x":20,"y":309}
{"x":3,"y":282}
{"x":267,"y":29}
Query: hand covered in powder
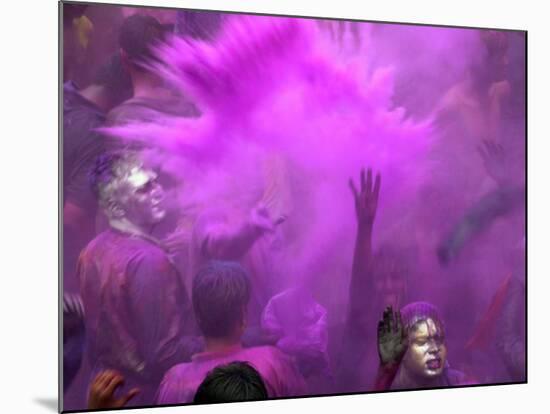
{"x":391,"y":338}
{"x":262,"y":220}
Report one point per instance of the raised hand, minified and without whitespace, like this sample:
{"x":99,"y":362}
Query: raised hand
{"x":102,"y":391}
{"x":366,"y":199}
{"x":262,"y":220}
{"x":392,"y":340}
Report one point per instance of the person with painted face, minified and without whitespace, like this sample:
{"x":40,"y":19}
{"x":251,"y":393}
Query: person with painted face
{"x":378,"y":280}
{"x":413,"y":350}
{"x":138,"y":315}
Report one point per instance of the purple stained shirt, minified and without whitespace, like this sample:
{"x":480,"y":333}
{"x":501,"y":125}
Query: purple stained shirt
{"x":138,"y":315}
{"x":278,"y":371}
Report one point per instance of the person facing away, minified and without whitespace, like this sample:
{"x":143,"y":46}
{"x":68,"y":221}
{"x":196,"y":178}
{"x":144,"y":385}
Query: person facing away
{"x":236,"y":381}
{"x":221,"y":291}
{"x":139,"y":35}
{"x":138,"y":315}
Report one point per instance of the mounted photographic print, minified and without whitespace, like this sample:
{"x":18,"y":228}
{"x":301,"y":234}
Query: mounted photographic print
{"x":261,"y":207}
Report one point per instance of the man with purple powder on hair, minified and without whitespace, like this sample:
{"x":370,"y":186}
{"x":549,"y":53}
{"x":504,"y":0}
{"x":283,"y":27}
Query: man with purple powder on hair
{"x":138,"y":318}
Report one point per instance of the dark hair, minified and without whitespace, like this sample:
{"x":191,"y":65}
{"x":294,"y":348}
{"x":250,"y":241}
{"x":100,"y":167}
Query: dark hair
{"x":221,"y":291}
{"x":115,"y":79}
{"x":138,"y":34}
{"x":416,"y":312}
{"x":236,"y":381}
{"x":202,"y":25}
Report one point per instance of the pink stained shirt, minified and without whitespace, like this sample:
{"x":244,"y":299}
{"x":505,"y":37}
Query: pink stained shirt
{"x":278,"y":371}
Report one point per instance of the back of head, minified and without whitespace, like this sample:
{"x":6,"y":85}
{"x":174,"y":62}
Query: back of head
{"x":115,"y":80}
{"x":221,"y":291}
{"x":138,"y":36}
{"x":237,"y":381}
{"x":200,"y":25}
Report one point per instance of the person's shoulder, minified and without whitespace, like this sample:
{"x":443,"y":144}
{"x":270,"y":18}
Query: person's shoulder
{"x":97,"y":242}
{"x":96,"y":251}
{"x":74,"y":104}
{"x":456,"y":377}
{"x":174,"y":387}
{"x":176,"y":373}
{"x":128,"y":111}
{"x":133,"y":249}
{"x":279,"y":371}
{"x":139,"y":109}
{"x":143,"y":250}
{"x":269,"y":352}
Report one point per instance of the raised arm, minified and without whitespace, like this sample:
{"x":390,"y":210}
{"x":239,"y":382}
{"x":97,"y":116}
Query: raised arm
{"x":223,"y":241}
{"x":357,"y":330}
{"x":366,"y":205}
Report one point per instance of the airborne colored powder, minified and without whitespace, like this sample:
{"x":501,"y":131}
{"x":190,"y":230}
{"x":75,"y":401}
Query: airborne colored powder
{"x":288,"y":116}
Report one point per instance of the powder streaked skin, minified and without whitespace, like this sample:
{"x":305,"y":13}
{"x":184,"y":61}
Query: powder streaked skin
{"x":426,"y":354}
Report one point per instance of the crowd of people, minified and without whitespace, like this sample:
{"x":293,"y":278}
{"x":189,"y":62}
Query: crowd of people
{"x":163,"y":307}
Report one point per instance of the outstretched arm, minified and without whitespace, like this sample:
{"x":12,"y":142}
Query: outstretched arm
{"x":508,"y":197}
{"x":366,"y":204}
{"x":356,"y":329}
{"x":218,"y":240}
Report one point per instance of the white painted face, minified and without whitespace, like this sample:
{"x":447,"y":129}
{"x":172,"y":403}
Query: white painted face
{"x":145,"y":196}
{"x":426,"y":354}
{"x":135,"y":193}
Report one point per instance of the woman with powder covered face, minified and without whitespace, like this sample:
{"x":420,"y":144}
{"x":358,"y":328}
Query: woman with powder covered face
{"x":413,"y":350}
